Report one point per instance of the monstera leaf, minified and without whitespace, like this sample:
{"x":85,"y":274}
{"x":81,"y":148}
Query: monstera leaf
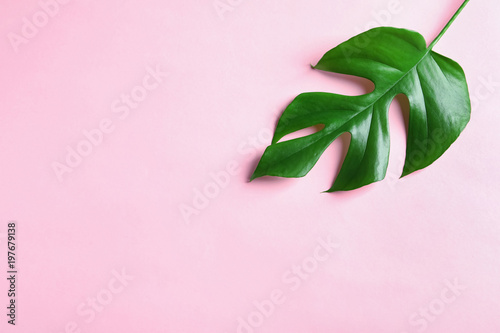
{"x":397,"y":61}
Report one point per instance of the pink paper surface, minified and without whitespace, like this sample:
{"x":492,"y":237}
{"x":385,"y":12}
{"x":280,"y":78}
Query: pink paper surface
{"x":137,"y":216}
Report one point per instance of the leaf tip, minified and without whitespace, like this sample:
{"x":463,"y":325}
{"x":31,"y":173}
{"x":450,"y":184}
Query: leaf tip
{"x":404,"y":174}
{"x":332,"y":189}
{"x":255,"y":175}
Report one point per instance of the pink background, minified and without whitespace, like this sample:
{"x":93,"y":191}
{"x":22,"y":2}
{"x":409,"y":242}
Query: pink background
{"x":401,"y":242}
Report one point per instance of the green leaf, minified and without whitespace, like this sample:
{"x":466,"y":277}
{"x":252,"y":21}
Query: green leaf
{"x":397,"y":61}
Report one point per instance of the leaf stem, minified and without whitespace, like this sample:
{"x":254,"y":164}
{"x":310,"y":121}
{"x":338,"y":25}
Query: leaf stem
{"x":447,"y":25}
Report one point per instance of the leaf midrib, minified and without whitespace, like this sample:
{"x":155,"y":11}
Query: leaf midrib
{"x":336,"y":131}
{"x":428,"y":50}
